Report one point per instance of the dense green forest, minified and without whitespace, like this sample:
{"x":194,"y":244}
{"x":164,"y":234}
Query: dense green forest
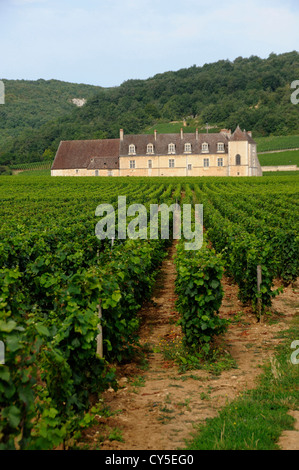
{"x":251,"y":92}
{"x":29,"y":105}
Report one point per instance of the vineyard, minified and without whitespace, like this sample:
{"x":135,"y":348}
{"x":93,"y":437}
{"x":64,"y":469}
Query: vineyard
{"x":61,"y":286}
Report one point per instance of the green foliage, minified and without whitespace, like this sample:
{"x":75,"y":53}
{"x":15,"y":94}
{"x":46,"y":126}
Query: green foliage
{"x":46,"y":165}
{"x":250,"y":229}
{"x":248,"y":252}
{"x":19,"y":373}
{"x":127,"y":281}
{"x":200,"y":293}
{"x":5,"y":170}
{"x":55,"y":275}
{"x":275,"y":142}
{"x":251,"y":92}
{"x":30,"y":105}
{"x":280,"y":158}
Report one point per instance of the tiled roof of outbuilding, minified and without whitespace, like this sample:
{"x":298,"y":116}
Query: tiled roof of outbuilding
{"x":79,"y":154}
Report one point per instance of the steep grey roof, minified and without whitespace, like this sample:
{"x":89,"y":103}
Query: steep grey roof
{"x":163,"y":140}
{"x":239,"y":135}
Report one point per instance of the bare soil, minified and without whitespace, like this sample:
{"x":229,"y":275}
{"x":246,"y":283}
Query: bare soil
{"x":157,"y":407}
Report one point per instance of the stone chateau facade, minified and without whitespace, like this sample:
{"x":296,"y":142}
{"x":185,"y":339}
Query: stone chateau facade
{"x":183,"y":154}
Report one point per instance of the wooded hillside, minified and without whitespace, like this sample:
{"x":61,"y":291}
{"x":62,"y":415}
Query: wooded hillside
{"x":252,"y":92}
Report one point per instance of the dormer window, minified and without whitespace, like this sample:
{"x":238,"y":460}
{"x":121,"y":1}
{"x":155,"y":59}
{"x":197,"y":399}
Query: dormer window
{"x":171,"y":148}
{"x":220,"y":147}
{"x":187,"y":148}
{"x":150,"y":149}
{"x":132,"y":149}
{"x":205,"y":147}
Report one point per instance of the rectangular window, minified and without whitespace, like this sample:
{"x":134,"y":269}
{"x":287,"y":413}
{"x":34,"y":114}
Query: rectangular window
{"x":150,"y":163}
{"x":205,"y":148}
{"x":132,"y":149}
{"x":77,"y":171}
{"x":171,"y":163}
{"x":187,"y":148}
{"x":132,"y":163}
{"x":220,"y":161}
{"x":96,"y":173}
{"x":220,"y":147}
{"x":109,"y":173}
{"x":206,"y":162}
{"x":189,"y":166}
{"x":150,"y":149}
{"x":171,"y":148}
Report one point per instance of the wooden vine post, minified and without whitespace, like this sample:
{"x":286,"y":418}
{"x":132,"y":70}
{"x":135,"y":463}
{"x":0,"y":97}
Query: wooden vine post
{"x":100,"y":335}
{"x":259,"y":300}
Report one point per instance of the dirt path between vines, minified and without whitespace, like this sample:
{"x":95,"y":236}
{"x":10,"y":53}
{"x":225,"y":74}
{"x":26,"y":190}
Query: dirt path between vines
{"x":156,"y":407}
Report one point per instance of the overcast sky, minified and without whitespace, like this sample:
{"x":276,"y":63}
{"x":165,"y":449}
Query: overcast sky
{"x":105,"y":42}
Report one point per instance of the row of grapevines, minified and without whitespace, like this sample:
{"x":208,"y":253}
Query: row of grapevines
{"x":198,"y":286}
{"x":278,"y":229}
{"x":200,"y":293}
{"x":242,"y":252}
{"x":61,"y":275}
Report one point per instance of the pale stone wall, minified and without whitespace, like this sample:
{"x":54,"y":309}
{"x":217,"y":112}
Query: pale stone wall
{"x":85,"y":172}
{"x":280,"y":168}
{"x":254,"y":164}
{"x":62,"y":172}
{"x":242,"y":149}
{"x":160,"y":165}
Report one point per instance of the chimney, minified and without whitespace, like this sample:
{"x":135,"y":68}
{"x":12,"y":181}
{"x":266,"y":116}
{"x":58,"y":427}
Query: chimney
{"x":196,"y":134}
{"x":226,"y":132}
{"x":249,"y":133}
{"x":182,"y":133}
{"x":121,"y":134}
{"x":155,"y":133}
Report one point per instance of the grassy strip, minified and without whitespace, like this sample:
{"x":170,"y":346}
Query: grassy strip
{"x":255,"y":420}
{"x":29,"y":173}
{"x":265,"y":144}
{"x":290,"y":157}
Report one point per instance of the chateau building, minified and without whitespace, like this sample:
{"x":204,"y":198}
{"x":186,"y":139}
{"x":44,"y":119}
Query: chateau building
{"x":183,"y":154}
